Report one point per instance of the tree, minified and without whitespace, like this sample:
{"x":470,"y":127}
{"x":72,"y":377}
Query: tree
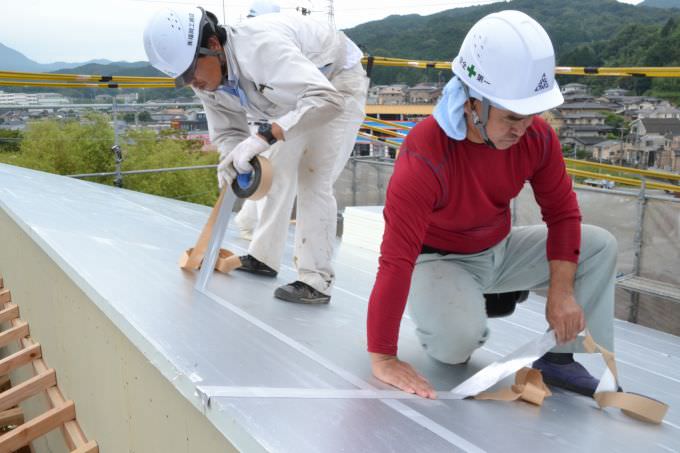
{"x":147,"y":150}
{"x":10,"y":141}
{"x":142,"y":117}
{"x":67,"y":147}
{"x":71,"y":147}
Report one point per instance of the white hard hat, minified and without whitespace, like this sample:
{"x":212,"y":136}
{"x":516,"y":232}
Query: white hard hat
{"x":260,"y":7}
{"x":508,"y":58}
{"x":171,"y":39}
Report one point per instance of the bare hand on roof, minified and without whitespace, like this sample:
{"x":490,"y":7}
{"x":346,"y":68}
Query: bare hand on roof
{"x":391,"y":370}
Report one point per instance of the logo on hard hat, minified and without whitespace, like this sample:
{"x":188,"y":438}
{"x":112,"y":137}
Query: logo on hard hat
{"x":190,"y":35}
{"x":542,"y":84}
{"x":472,"y":71}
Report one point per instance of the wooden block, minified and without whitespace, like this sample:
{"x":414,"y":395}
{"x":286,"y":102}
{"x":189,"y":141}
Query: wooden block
{"x":27,"y":389}
{"x":10,"y":312}
{"x":19,"y":331}
{"x":90,"y":447}
{"x":22,"y":357}
{"x":5,"y":296}
{"x":40,"y":425}
{"x":14,"y":416}
{"x":5,"y":383}
{"x":73,"y":435}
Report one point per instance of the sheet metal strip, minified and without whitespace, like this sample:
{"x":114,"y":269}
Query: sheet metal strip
{"x":415,"y":416}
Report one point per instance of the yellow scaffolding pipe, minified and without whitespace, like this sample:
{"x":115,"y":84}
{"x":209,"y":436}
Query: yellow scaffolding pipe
{"x":84,"y":85}
{"x":383,"y":131}
{"x":387,"y":123}
{"x":636,"y":171}
{"x":379,"y":139}
{"x":671,"y":71}
{"x":622,"y":180}
{"x":165,"y":82}
{"x":82,"y":77}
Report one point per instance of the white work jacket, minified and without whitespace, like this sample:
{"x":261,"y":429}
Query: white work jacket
{"x":283,"y":65}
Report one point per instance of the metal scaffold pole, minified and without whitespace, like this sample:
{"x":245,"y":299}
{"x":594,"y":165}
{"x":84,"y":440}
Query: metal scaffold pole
{"x":637,"y":258}
{"x":117,"y":153}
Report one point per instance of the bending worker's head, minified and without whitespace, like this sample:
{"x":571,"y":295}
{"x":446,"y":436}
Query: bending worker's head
{"x":507,"y":67}
{"x":188,"y":45}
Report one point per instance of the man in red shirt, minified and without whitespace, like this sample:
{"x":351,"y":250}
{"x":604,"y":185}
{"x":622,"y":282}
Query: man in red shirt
{"x":448,"y":238}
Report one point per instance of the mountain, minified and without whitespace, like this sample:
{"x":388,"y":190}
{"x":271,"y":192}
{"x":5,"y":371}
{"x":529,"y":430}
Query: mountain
{"x":570,"y":24}
{"x":12,"y":60}
{"x":661,"y":3}
{"x":16,"y":61}
{"x":119,"y":68}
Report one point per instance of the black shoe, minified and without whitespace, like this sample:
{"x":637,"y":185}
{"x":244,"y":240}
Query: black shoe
{"x":301,"y":293}
{"x":251,"y":264}
{"x":569,"y":376}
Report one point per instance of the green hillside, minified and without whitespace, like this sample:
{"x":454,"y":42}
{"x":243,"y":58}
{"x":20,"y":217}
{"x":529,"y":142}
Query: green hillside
{"x":571,"y":25}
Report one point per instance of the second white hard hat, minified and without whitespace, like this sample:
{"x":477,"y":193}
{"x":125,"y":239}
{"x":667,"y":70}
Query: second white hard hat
{"x":260,"y":7}
{"x":508,"y":58}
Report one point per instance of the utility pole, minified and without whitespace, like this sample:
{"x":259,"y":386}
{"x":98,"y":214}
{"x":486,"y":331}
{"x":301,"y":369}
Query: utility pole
{"x":621,"y":155}
{"x":331,"y":13}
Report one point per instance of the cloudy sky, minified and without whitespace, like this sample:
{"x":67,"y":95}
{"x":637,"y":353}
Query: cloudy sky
{"x":80,"y":30}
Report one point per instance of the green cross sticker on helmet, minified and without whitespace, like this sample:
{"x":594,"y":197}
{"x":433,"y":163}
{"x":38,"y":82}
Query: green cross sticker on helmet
{"x":508,"y":59}
{"x":471,"y":71}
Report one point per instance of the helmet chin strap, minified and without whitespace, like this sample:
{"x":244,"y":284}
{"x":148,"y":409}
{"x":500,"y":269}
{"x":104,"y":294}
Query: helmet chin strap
{"x":480,"y":124}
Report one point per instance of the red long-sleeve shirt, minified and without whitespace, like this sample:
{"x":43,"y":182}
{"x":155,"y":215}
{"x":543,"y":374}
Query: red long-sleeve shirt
{"x":455,"y":196}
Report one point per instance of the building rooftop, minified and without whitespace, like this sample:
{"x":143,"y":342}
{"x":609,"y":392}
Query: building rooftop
{"x":121,"y":248}
{"x":587,"y":106}
{"x":661,"y":125}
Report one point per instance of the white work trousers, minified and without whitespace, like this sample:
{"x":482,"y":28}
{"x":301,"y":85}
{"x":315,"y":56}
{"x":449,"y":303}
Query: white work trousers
{"x":446,"y":300}
{"x":308,"y":166}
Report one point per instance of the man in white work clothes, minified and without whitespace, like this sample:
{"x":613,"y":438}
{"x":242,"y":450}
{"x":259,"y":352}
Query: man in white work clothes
{"x":307,"y":78}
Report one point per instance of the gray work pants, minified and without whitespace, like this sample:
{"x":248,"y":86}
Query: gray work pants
{"x":446,"y":300}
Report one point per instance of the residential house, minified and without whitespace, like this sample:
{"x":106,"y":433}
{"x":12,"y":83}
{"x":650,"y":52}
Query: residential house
{"x":194,"y":121}
{"x":651,"y":137}
{"x":615,"y":92}
{"x":582,"y":126}
{"x":423,"y":93}
{"x":393,"y":94}
{"x":608,"y":150}
{"x":587,"y":106}
{"x":554,"y":118}
{"x":660,"y":112}
{"x":669,"y":158}
{"x":573,"y":92}
{"x":373,"y":92}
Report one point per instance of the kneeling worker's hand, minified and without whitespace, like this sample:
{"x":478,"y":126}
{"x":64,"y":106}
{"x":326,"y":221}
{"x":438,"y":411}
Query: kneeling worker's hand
{"x":565,"y":316}
{"x":391,"y":370}
{"x":238,"y":160}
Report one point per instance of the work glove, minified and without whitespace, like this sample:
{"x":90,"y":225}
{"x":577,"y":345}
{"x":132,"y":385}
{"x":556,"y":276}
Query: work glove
{"x":238,"y":160}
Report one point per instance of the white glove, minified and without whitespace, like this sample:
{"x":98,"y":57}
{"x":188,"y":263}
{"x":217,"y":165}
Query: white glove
{"x":225,"y":171}
{"x":238,"y":160}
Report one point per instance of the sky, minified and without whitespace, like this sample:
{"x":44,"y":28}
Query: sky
{"x":79,"y":30}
